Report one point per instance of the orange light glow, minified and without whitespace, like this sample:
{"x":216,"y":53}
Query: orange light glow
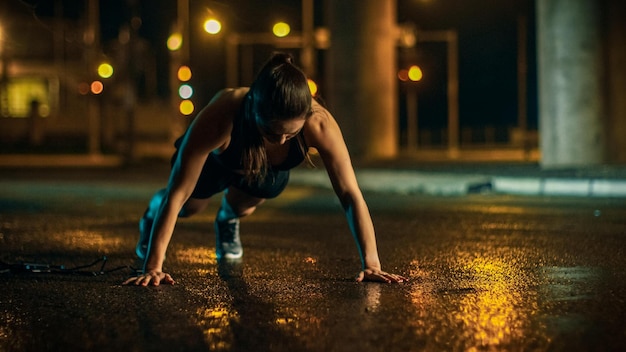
{"x":403,"y":75}
{"x":83,"y":88}
{"x":184,"y":73}
{"x":97,"y":87}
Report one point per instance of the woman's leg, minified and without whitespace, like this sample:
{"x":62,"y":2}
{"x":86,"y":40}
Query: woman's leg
{"x":191,"y":207}
{"x":235,"y":204}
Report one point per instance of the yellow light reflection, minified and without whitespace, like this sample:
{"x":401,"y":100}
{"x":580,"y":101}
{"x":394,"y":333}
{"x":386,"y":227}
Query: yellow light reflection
{"x":372,"y":297}
{"x":302,"y":323}
{"x":484,"y":304}
{"x":420,"y":293}
{"x":491,"y":315}
{"x":196,"y":255}
{"x":215,"y":323}
{"x":85,"y":240}
{"x":497,"y":209}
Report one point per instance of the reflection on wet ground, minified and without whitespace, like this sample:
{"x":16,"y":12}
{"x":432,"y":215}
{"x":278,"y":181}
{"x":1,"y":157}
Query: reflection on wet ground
{"x":493,"y":274}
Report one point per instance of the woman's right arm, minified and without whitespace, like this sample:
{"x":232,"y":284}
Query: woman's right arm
{"x":210,"y":130}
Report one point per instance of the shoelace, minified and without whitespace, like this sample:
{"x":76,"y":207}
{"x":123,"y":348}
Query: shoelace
{"x":228,"y":230}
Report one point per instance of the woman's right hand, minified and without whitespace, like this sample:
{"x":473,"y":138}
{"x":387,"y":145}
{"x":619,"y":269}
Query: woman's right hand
{"x":154,"y":278}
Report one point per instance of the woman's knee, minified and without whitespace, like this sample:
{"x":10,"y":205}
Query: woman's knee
{"x":241,"y":203}
{"x":193,"y":206}
{"x":247,"y":210}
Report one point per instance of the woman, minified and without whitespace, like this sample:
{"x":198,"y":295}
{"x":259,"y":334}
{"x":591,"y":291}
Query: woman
{"x":244,"y":142}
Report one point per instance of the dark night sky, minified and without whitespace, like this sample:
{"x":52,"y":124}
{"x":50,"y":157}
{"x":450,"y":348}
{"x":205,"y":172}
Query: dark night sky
{"x":487,"y":31}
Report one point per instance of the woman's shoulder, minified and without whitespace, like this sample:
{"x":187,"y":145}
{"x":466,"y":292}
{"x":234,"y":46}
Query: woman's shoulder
{"x":215,"y":121}
{"x":229,"y":97}
{"x":320,"y":116}
{"x":232,"y":93}
{"x":224,"y":105}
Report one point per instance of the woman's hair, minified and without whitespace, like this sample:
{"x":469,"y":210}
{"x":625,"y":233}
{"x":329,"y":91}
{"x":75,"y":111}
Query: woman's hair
{"x":279,"y":92}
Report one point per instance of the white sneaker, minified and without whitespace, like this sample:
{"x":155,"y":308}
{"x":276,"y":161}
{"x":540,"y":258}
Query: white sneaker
{"x":227,"y":242}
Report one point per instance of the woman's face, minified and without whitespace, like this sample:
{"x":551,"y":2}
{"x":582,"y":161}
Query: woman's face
{"x":280,"y":131}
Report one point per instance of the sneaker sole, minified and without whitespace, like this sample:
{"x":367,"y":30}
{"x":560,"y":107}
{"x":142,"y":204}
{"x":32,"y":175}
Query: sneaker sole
{"x":233,"y":255}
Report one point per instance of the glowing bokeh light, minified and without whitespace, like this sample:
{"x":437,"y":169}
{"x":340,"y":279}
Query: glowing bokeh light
{"x":312,"y":86}
{"x":403,"y":75}
{"x":212,"y":26}
{"x":281,"y":29}
{"x":186,"y":107}
{"x":175,"y":42}
{"x":415,"y":73}
{"x":105,"y":70}
{"x":83,"y":88}
{"x":185,"y":91}
{"x":184,"y":73}
{"x":97,"y":87}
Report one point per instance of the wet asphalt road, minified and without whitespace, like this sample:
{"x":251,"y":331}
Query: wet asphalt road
{"x":487,"y":272}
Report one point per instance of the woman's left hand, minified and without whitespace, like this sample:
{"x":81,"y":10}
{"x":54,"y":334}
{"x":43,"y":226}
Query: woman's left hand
{"x":379,"y":276}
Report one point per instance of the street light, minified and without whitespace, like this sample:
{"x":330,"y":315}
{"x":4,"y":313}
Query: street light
{"x":212,"y":26}
{"x":281,"y":29}
{"x":415,"y":73}
{"x":96,"y":87}
{"x":185,"y":91}
{"x":186,"y":107}
{"x":184,"y":73}
{"x":175,"y":41}
{"x":105,"y":70}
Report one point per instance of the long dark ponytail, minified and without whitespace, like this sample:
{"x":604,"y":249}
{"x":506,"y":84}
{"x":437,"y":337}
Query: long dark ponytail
{"x":279,"y":92}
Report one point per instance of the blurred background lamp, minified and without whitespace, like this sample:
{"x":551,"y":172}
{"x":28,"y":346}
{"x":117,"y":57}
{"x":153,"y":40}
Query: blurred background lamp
{"x":415,"y":73}
{"x":185,"y":91}
{"x":403,"y":75}
{"x":97,"y":87}
{"x":105,"y":70}
{"x":175,"y":41}
{"x":281,"y":29}
{"x":184,"y":73}
{"x":186,"y":107}
{"x":212,"y":26}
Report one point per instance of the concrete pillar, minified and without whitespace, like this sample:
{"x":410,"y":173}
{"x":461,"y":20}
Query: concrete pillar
{"x":362,"y":89}
{"x":572,"y":102}
{"x":616,"y":12}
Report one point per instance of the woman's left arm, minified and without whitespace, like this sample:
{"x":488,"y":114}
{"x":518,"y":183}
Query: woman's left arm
{"x":323,"y":133}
